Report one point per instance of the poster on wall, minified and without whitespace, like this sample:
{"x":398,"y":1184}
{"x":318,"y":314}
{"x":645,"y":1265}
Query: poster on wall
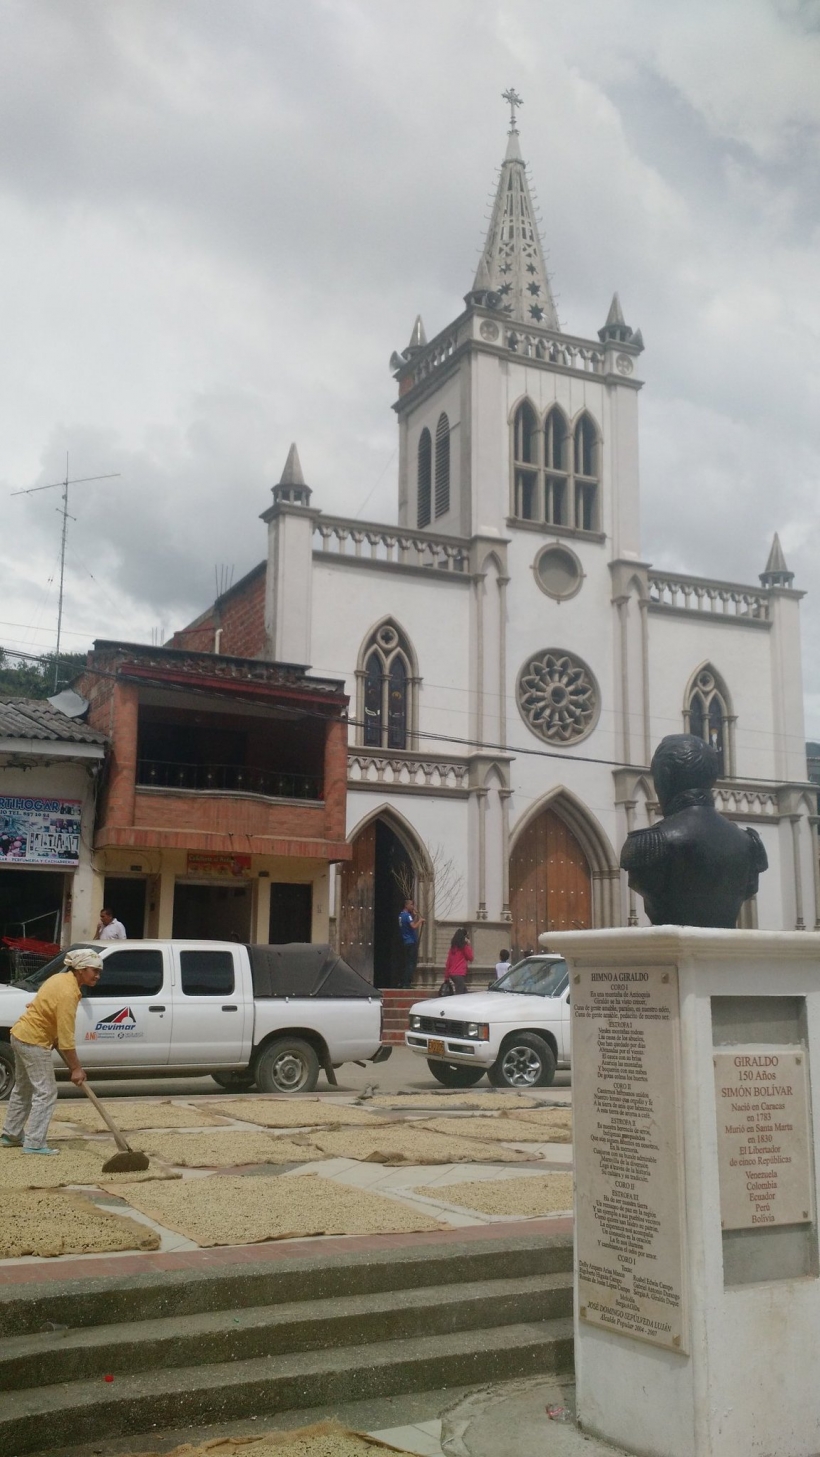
{"x":39,"y":831}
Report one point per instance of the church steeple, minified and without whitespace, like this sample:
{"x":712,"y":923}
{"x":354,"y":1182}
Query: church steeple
{"x":776,"y":573}
{"x":512,"y":274}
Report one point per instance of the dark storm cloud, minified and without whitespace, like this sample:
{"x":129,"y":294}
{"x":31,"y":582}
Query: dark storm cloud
{"x":220,"y":219}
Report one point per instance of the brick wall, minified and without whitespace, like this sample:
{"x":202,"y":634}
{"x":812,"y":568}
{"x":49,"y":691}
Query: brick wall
{"x":114,"y":711}
{"x":230,"y":814}
{"x":239,"y":612}
{"x":335,"y":779}
{"x":142,"y":816}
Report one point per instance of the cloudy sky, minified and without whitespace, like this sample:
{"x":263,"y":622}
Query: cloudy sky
{"x":219,"y":217}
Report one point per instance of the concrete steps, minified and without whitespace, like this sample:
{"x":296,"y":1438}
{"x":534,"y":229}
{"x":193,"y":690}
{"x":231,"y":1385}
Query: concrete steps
{"x":212,"y":1345}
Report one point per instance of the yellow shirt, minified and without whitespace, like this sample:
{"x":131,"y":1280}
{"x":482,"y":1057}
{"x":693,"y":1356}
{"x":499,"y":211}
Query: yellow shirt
{"x":48,"y":1021}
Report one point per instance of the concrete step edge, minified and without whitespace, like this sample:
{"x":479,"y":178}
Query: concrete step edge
{"x":34,"y":1420}
{"x":216,"y":1336}
{"x":156,"y":1293}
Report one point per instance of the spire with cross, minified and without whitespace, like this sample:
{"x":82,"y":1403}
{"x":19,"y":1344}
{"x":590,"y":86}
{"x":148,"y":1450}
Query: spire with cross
{"x":512,"y":97}
{"x":512,"y":275}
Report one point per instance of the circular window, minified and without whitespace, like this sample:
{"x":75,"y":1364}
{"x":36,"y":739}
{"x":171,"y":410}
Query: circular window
{"x":557,"y":697}
{"x":558,"y":571}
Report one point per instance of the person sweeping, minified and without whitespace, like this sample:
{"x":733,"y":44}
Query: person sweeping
{"x":47,"y":1022}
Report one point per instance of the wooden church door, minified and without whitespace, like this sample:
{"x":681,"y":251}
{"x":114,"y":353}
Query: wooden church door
{"x":550,"y":883}
{"x":356,"y":908}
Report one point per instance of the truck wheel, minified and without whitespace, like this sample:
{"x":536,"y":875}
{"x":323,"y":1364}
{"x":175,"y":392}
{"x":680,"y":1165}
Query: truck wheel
{"x":287,"y":1066}
{"x":453,"y":1075}
{"x":6,"y":1071}
{"x":525,"y":1061}
{"x":234,"y":1082}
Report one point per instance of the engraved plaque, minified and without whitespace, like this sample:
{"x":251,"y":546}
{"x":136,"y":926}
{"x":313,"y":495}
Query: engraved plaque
{"x":628,"y":1153}
{"x":764,"y":1151}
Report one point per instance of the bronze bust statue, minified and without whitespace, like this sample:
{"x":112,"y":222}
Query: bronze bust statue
{"x":693,"y":868}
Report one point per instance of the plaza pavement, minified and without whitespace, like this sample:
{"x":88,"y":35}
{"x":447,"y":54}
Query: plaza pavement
{"x":508,"y":1418}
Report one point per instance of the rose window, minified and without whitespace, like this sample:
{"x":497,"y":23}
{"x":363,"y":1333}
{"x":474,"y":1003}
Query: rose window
{"x":557,"y":697}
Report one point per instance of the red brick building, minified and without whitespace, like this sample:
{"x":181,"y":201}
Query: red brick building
{"x":224,"y":798}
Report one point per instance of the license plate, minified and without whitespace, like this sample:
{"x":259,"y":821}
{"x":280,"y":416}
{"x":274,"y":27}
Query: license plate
{"x":435,"y":1047}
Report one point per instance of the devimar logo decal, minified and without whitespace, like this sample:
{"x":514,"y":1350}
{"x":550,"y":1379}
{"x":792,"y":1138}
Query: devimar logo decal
{"x":116,"y":1027}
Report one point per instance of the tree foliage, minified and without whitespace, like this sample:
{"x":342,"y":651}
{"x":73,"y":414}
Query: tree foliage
{"x":21,"y":679}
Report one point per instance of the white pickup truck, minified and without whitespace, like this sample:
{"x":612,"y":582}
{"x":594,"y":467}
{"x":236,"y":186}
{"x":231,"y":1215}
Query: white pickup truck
{"x":265,"y":1015}
{"x":517,"y":1033}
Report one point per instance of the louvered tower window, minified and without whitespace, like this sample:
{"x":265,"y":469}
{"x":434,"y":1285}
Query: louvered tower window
{"x":556,"y":443}
{"x":526,"y":463}
{"x":556,"y":471}
{"x":442,"y":466}
{"x":586,"y":475}
{"x":424,"y":478}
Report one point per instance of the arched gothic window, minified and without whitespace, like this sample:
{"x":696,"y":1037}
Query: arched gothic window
{"x":556,"y":475}
{"x":526,"y":453}
{"x":707,"y":713}
{"x":586,"y":475}
{"x":442,"y":466}
{"x":424,"y":478}
{"x":387,"y":688}
{"x":556,"y":478}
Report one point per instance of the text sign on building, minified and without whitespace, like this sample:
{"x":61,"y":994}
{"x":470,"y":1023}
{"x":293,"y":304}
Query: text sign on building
{"x":628,"y":1153}
{"x":39,"y":831}
{"x":222,"y":867}
{"x":764,"y":1151}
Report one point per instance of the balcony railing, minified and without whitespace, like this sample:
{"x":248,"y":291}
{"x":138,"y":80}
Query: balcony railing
{"x":227,"y":779}
{"x":700,"y":594}
{"x":367,"y":542}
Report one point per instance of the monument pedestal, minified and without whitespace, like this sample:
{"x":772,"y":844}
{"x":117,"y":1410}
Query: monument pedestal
{"x":696,"y":1057}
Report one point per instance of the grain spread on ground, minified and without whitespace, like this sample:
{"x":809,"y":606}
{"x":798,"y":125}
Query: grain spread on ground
{"x":223,"y":1149}
{"x":75,"y":1164}
{"x":325,"y":1439}
{"x":505,"y":1129}
{"x":532,"y":1197}
{"x":403,"y":1143}
{"x":39,"y":1223}
{"x":295,"y":1113}
{"x":444,"y":1101}
{"x":556,"y":1121}
{"x":130,"y":1115}
{"x":229,"y":1210}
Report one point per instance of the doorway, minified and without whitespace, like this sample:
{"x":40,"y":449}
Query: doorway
{"x":125,"y":896}
{"x":550,"y":883}
{"x":291,"y":913}
{"x":372,"y":889}
{"x":31,"y":903}
{"x":212,"y":912}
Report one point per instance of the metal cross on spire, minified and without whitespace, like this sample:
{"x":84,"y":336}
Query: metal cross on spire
{"x":512,"y":97}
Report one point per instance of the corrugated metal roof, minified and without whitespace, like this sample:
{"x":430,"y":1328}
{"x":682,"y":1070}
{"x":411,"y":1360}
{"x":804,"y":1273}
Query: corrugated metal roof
{"x":34,"y":718}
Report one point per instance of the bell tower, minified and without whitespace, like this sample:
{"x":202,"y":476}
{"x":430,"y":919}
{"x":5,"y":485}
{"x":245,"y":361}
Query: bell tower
{"x":508,"y":424}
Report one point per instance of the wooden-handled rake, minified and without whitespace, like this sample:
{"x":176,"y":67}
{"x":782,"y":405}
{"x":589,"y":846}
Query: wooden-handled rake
{"x":127,"y":1161}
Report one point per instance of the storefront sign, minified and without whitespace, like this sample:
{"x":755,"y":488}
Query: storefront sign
{"x":39,"y":831}
{"x":219,"y":867}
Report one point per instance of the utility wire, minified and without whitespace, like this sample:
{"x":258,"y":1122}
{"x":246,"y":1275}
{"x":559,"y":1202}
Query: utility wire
{"x":474,"y":744}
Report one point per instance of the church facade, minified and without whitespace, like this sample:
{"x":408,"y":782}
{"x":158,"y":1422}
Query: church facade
{"x":510,"y":657}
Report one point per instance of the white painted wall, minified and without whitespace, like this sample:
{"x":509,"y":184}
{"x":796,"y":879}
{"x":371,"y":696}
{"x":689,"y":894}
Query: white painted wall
{"x":439,"y":613}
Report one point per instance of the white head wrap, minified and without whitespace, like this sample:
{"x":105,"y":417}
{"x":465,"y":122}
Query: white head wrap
{"x":82,"y":961}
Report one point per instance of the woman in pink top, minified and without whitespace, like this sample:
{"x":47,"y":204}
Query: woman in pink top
{"x":458,"y":960}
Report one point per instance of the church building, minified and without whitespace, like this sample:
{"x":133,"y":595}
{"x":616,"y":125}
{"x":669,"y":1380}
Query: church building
{"x":510,"y":657}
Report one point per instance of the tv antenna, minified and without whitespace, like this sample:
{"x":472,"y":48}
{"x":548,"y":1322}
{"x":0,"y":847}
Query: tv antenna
{"x":63,"y":510}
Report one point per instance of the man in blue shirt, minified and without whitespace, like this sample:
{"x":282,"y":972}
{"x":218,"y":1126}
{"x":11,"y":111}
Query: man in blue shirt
{"x":410,"y":923}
